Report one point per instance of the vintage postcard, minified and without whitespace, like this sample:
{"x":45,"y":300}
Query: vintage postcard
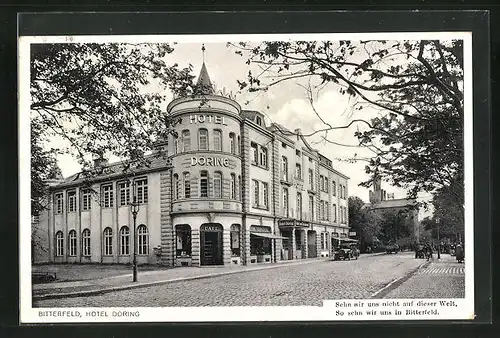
{"x":298,"y":177}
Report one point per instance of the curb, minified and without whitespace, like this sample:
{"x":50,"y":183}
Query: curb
{"x":397,"y":282}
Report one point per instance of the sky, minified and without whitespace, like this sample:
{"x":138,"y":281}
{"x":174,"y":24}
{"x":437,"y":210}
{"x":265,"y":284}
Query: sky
{"x":286,"y":104}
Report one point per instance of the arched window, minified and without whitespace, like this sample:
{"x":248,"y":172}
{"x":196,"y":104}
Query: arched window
{"x":285,"y":202}
{"x":59,"y":243}
{"x":203,"y":139}
{"x":176,"y":186}
{"x":143,"y":240}
{"x":186,"y":140}
{"x":235,"y":240}
{"x":239,"y":145}
{"x":217,"y":185}
{"x":86,"y":242}
{"x":176,"y":144}
{"x":183,"y":240}
{"x":203,"y":183}
{"x":217,"y":140}
{"x":232,"y":143}
{"x":108,"y":241}
{"x":124,"y":240}
{"x":233,"y":186}
{"x":72,"y":243}
{"x":187,"y":185}
{"x":258,"y":120}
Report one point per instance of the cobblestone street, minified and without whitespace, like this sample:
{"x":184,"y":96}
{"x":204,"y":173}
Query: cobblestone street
{"x":306,"y":284}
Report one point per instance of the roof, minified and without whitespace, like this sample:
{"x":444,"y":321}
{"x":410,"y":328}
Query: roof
{"x":117,"y":169}
{"x":393,"y":203}
{"x":204,"y":85}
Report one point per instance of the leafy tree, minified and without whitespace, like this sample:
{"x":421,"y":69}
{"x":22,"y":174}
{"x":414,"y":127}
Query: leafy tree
{"x":394,"y":226}
{"x":99,"y":99}
{"x":416,"y":87}
{"x":363,"y":221}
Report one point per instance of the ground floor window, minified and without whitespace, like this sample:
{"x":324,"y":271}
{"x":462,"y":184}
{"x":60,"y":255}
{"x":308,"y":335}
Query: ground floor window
{"x":59,"y":243}
{"x":183,"y":240}
{"x":143,"y":240}
{"x":260,"y":245}
{"x":298,"y":240}
{"x":108,"y":242}
{"x":124,"y":240}
{"x":235,"y":240}
{"x":322,"y":241}
{"x":86,"y":242}
{"x":72,"y":242}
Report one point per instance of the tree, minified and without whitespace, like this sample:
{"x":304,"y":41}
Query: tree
{"x":363,"y":221}
{"x":394,"y":226}
{"x":100,"y":99}
{"x":416,"y":88}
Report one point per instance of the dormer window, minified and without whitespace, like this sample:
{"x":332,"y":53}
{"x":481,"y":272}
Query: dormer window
{"x":258,"y":120}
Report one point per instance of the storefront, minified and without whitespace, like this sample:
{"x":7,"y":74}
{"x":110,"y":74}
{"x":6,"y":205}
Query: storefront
{"x":211,"y":244}
{"x":262,"y":244}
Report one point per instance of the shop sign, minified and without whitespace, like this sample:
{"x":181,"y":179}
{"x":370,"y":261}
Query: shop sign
{"x":211,"y":228}
{"x":258,"y":228}
{"x":352,"y":233}
{"x":302,"y":224}
{"x":210,"y":161}
{"x":286,"y":222}
{"x":202,"y":118}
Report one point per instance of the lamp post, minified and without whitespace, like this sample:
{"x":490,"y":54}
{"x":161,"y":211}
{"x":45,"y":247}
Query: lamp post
{"x":135,"y":209}
{"x":438,"y":220}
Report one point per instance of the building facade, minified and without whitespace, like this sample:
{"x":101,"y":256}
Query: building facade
{"x":231,"y":190}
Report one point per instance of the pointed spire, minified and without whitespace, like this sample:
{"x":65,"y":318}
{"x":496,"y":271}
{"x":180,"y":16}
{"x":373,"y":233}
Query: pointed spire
{"x":204,"y":85}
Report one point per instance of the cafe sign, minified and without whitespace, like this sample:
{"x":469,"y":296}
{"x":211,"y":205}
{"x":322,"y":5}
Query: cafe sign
{"x":211,"y":228}
{"x":211,"y":161}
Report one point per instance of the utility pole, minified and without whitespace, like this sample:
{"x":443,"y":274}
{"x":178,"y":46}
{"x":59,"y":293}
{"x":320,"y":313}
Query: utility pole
{"x":135,"y":210}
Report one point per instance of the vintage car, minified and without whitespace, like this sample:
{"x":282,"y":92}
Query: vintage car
{"x":343,"y":252}
{"x":392,"y":248}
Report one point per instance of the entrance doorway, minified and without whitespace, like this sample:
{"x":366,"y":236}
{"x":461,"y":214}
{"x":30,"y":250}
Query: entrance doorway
{"x":211,"y":244}
{"x":311,"y":244}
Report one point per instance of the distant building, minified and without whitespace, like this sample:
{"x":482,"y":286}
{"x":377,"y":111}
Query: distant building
{"x":231,"y":190}
{"x":382,"y":201}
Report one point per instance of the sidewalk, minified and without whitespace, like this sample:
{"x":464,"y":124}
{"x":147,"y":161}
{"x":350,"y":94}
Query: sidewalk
{"x":153,"y":277}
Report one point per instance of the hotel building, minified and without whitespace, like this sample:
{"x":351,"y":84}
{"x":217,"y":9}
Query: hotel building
{"x":231,"y":190}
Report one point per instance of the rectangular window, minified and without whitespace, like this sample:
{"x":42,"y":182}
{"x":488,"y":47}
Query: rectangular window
{"x":233,"y":186}
{"x":311,"y":181}
{"x":322,"y":241}
{"x":326,"y":184}
{"x":327,"y":211}
{"x":299,"y":205}
{"x":334,"y":188}
{"x":285,"y":202}
{"x":298,"y":171}
{"x":124,"y":191}
{"x":284,"y":169}
{"x":71,"y":201}
{"x":142,"y":190}
{"x":203,"y":139}
{"x":187,"y":185}
{"x":322,"y":183}
{"x":107,"y":196}
{"x":340,"y":190}
{"x":203,"y":184}
{"x":86,"y":194}
{"x":217,"y":140}
{"x":58,"y":202}
{"x":265,"y":193}
{"x":263,"y":157}
{"x":334,"y":212}
{"x":255,"y":153}
{"x":186,"y":140}
{"x":311,"y":207}
{"x":255,"y":192}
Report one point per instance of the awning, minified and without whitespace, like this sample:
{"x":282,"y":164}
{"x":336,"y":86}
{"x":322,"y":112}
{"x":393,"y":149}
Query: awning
{"x":267,"y":235}
{"x":347,"y":239}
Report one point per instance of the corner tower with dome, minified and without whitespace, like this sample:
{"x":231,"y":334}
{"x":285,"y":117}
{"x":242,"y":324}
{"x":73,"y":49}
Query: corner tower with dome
{"x":232,"y":191}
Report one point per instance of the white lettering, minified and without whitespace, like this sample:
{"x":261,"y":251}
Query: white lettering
{"x":193,"y":161}
{"x":223,"y":121}
{"x":192,"y":118}
{"x":210,"y":161}
{"x":226,"y":162}
{"x":217,"y":120}
{"x":202,"y":161}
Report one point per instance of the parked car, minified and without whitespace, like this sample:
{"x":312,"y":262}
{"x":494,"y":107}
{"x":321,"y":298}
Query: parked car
{"x":342,"y":252}
{"x":355,"y":251}
{"x":392,"y":248}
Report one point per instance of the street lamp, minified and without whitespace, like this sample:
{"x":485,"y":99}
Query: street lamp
{"x":439,"y":241}
{"x":135,"y":209}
